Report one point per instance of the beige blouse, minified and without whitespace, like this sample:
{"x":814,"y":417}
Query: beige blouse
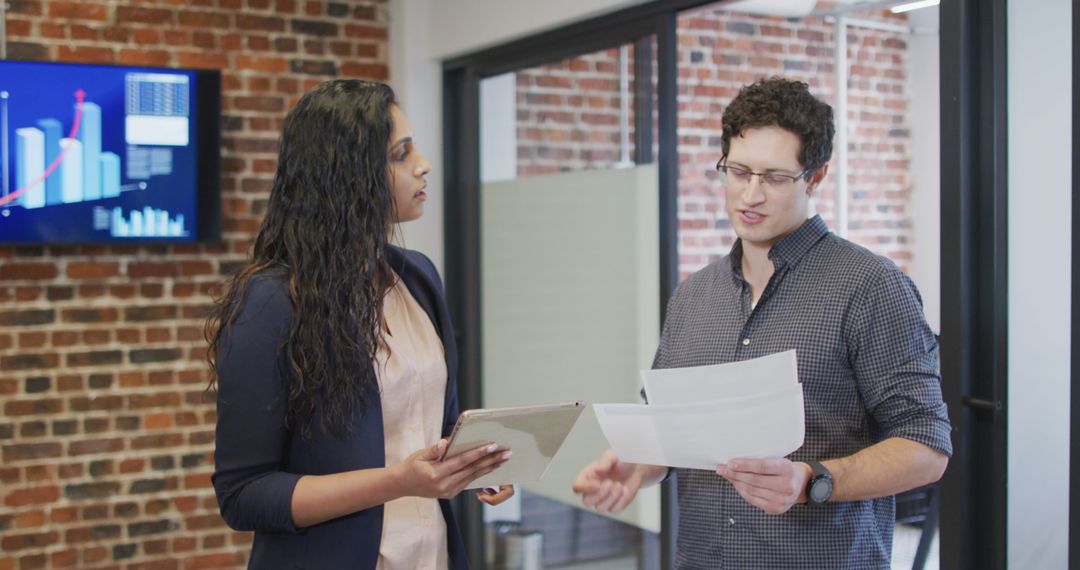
{"x":413,"y":385}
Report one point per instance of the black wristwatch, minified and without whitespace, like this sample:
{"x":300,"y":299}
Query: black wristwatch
{"x":819,"y":489}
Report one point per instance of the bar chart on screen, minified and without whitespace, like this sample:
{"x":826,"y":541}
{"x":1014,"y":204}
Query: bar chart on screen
{"x":104,"y":157}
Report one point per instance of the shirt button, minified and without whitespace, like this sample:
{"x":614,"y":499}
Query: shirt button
{"x":730,"y":521}
{"x":746,"y":342}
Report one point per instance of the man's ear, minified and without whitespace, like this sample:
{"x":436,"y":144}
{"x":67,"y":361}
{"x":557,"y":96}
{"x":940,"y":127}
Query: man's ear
{"x":816,"y":179}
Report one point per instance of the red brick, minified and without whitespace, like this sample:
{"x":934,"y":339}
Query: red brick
{"x":365,"y":70}
{"x":51,"y":31}
{"x":132,"y":465}
{"x":90,"y":270}
{"x":93,"y":290}
{"x":65,"y":558}
{"x":63,"y":514}
{"x":198,"y":481}
{"x":78,"y":11}
{"x":30,"y":540}
{"x":267,"y":104}
{"x":263,"y":64}
{"x":156,"y":400}
{"x":27,"y":271}
{"x":367,"y":50}
{"x":177,"y":37}
{"x":69,"y":383}
{"x":232,"y":42}
{"x":203,"y":19}
{"x":85,"y":54}
{"x":33,"y":407}
{"x":183,"y":544}
{"x":64,"y":338}
{"x":222,"y":560}
{"x":145,"y":269}
{"x":32,"y":339}
{"x":79,"y":32}
{"x":89,"y":446}
{"x":204,"y":40}
{"x":157,"y":441}
{"x":94,"y":554}
{"x":357,"y":31}
{"x":18,"y":28}
{"x":26,"y":294}
{"x":96,"y":337}
{"x":143,"y":15}
{"x":29,"y":519}
{"x":146,"y":36}
{"x":151,"y":290}
{"x":32,"y":496}
{"x":158,"y":58}
{"x":158,"y":421}
{"x":71,"y":471}
{"x":262,"y":23}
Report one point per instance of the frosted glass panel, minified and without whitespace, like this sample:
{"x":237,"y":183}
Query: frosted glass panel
{"x":571,"y":303}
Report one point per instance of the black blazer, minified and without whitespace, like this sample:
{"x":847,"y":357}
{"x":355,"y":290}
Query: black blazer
{"x":258,"y":460}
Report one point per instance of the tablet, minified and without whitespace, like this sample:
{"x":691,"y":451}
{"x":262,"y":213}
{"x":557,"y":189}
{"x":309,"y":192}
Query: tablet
{"x":534,"y":433}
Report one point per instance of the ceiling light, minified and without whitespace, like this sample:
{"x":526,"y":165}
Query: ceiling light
{"x":914,"y":6}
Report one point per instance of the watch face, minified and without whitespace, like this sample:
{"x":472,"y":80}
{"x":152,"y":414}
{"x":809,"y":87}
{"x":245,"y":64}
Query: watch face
{"x":821,"y":490}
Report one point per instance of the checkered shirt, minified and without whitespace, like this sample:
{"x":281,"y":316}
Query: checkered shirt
{"x":868,"y":365}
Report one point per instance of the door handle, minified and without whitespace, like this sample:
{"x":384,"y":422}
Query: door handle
{"x":981,"y":404}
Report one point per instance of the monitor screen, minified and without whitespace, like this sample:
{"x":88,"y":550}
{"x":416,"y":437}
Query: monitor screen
{"x":108,"y":154}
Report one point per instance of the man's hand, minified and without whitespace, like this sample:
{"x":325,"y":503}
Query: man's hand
{"x":608,"y":484}
{"x":772,"y":485}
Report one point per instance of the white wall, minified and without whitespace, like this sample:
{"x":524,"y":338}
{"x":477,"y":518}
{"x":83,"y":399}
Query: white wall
{"x":498,"y":128}
{"x":463,"y":26}
{"x":1039,"y":121}
{"x":417,"y":80}
{"x":925,"y":118}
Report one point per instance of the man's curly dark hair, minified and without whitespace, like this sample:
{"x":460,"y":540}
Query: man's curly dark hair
{"x":786,"y":104}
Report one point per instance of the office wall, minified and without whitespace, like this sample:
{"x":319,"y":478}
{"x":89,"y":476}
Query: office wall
{"x":424,"y":33}
{"x":105,"y":435}
{"x":1039,"y":206}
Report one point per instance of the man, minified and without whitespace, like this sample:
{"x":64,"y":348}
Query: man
{"x":875,"y":421}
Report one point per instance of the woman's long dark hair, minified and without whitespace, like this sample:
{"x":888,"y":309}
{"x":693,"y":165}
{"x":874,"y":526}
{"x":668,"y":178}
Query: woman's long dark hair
{"x":325,"y":232}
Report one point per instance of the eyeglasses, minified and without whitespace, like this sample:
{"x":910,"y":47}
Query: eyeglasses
{"x":740,"y":177}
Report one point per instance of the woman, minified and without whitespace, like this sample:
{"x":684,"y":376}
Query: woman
{"x":334,"y":357}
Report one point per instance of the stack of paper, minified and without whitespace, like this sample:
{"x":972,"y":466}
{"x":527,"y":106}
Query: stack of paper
{"x":703,"y":416}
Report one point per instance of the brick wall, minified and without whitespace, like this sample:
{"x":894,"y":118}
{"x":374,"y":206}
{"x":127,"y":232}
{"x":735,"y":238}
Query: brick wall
{"x":106,"y":434}
{"x":568,"y":120}
{"x":568,"y":114}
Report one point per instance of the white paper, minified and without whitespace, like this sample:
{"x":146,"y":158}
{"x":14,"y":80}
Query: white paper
{"x":701,"y":417}
{"x":731,"y":380}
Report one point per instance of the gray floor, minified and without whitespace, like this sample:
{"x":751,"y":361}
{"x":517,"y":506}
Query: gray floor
{"x":905,"y":542}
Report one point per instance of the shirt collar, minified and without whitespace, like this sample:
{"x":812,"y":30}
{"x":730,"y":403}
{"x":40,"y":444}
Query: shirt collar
{"x":788,"y":251}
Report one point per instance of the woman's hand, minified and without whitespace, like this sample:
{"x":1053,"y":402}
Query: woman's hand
{"x":423,"y":475}
{"x":489,"y":496}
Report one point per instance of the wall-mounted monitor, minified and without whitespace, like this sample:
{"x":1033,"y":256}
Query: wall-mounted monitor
{"x":108,"y":154}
